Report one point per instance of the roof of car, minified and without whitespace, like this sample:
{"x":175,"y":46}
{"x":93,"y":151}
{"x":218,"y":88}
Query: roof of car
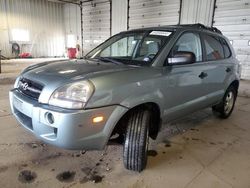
{"x":182,"y":26}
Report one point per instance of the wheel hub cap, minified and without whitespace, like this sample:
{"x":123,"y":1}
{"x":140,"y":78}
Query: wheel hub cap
{"x":229,"y":101}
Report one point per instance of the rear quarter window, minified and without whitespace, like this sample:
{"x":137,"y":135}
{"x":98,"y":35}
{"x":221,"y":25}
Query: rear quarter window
{"x":227,"y":51}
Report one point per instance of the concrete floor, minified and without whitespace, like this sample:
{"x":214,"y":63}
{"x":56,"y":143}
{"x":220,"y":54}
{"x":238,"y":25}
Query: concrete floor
{"x":197,"y":151}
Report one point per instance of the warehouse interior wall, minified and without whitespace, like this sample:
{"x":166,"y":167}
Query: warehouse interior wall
{"x":119,"y":16}
{"x":72,"y":25}
{"x":233,"y":19}
{"x":37,"y":26}
{"x":96,"y":18}
{"x":155,"y":13}
{"x":197,"y":11}
{"x":47,"y":28}
{"x":96,"y":23}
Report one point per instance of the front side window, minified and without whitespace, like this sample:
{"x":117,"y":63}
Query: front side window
{"x":137,"y":48}
{"x":188,"y":42}
{"x":214,"y":49}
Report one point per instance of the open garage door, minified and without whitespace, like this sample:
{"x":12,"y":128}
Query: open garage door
{"x":147,"y":13}
{"x":233,"y":19}
{"x":96,"y":23}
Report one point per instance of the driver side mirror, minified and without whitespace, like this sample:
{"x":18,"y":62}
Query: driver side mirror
{"x":182,"y":58}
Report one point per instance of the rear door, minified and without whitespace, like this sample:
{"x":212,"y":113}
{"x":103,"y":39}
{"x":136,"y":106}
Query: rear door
{"x":219,"y":66}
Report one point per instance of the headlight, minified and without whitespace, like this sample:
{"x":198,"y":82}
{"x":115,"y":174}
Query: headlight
{"x":17,"y":82}
{"x":72,"y":96}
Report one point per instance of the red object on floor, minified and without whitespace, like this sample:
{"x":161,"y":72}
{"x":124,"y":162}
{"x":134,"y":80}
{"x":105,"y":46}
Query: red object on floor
{"x":72,"y":53}
{"x":25,"y":55}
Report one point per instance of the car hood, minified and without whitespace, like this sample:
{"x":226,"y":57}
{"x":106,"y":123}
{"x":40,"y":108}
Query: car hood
{"x":62,"y":72}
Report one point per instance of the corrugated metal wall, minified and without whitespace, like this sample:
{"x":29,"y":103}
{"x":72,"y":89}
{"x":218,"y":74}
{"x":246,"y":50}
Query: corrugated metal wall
{"x":233,"y":19}
{"x":43,"y":19}
{"x":146,"y":13}
{"x":72,"y":23}
{"x":119,"y":16}
{"x":4,"y":33}
{"x":197,"y":11}
{"x":72,"y":20}
{"x":96,"y":23}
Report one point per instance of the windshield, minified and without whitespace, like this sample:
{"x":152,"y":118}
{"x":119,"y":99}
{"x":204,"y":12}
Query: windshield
{"x":135,"y":48}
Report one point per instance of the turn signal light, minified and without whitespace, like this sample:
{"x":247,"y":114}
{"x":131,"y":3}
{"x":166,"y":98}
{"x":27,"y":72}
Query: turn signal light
{"x":98,"y":119}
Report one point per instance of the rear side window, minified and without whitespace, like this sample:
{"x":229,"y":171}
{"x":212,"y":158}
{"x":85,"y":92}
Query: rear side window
{"x":227,"y":51}
{"x":214,"y":49}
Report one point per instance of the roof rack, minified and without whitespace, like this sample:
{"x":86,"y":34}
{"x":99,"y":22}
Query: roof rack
{"x":201,"y":26}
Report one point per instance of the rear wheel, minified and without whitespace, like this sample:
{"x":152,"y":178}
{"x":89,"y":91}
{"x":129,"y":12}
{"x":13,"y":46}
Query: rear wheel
{"x":226,"y":106}
{"x":136,"y":140}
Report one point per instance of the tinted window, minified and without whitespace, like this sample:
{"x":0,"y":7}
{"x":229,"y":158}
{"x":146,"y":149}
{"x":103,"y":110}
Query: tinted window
{"x":189,"y":42}
{"x":227,"y":52}
{"x":214,"y":49}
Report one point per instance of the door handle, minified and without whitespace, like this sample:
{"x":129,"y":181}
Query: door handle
{"x":202,"y":75}
{"x":228,"y":69}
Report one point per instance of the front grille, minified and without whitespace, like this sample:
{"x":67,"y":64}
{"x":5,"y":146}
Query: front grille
{"x":30,"y":88}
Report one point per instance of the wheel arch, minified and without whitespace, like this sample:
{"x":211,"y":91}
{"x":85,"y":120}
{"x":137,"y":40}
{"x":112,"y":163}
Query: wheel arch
{"x":235,"y":84}
{"x":155,"y":124}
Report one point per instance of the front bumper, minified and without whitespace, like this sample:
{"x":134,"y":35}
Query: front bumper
{"x":72,"y":129}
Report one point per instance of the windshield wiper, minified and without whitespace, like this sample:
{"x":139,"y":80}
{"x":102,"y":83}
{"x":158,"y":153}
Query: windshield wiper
{"x":107,"y":59}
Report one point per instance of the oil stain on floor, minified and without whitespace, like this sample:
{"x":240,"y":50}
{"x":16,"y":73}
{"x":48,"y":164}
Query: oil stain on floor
{"x":152,"y":153}
{"x":93,"y":178}
{"x":27,"y":176}
{"x":3,"y":168}
{"x":91,"y":175}
{"x":67,"y":176}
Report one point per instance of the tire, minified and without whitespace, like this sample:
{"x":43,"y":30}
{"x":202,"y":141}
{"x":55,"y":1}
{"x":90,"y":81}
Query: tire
{"x":136,"y":140}
{"x":225,"y":108}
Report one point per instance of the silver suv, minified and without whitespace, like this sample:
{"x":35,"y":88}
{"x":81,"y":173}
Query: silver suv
{"x":129,"y":85}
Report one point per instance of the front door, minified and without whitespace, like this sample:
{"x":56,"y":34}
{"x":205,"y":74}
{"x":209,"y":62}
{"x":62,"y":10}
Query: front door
{"x":183,"y":83}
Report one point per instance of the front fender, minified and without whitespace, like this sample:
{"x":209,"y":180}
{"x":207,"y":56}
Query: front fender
{"x":148,"y":97}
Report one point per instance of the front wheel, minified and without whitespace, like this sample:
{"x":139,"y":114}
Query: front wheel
{"x":136,"y":140}
{"x":226,"y":106}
